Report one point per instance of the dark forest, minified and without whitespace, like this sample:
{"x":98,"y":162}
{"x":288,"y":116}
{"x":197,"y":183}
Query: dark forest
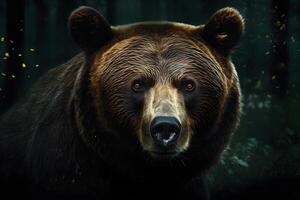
{"x":264,"y":153}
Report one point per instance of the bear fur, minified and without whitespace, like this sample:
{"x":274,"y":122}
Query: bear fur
{"x":74,"y":134}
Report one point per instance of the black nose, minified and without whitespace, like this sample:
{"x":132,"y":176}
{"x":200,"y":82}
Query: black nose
{"x":165,"y":130}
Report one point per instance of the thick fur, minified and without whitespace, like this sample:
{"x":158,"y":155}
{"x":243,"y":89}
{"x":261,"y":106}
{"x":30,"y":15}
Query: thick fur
{"x":76,"y":131}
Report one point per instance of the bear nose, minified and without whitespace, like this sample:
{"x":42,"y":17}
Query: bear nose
{"x":165,"y":130}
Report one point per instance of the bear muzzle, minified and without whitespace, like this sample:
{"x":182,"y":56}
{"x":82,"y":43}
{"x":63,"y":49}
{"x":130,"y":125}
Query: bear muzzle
{"x":164,"y":131}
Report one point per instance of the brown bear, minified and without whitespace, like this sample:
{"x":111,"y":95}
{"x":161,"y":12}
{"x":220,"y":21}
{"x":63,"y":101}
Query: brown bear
{"x":143,"y":112}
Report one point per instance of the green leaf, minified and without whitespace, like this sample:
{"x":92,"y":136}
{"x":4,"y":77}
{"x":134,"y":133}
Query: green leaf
{"x":242,"y":163}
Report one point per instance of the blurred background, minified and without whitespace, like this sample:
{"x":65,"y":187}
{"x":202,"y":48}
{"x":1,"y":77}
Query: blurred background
{"x":266,"y":147}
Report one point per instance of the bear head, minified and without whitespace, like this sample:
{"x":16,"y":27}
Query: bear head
{"x":158,"y":91}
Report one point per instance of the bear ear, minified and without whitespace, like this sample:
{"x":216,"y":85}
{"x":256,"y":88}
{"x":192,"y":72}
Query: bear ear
{"x":224,"y":29}
{"x":89,"y":29}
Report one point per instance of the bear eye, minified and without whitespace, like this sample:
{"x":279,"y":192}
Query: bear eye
{"x":138,"y":86}
{"x":188,"y":85}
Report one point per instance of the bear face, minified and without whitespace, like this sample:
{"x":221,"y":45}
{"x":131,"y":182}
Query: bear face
{"x":167,"y":86}
{"x":159,"y":75}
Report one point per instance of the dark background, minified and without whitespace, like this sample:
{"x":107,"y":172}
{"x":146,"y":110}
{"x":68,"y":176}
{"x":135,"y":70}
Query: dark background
{"x":266,"y":147}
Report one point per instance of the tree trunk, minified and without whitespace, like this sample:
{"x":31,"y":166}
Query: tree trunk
{"x":279,"y":65}
{"x":42,"y":21}
{"x":15,"y":10}
{"x":110,"y":12}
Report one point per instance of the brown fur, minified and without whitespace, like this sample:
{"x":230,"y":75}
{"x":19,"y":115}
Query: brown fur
{"x":163,"y":54}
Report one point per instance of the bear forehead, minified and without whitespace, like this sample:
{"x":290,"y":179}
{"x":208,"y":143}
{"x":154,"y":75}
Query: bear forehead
{"x":161,"y":45}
